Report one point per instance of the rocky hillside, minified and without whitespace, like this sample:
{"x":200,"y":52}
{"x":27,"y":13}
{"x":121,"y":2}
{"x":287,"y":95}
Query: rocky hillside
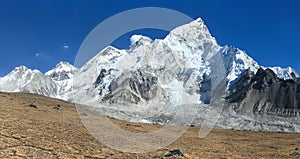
{"x":265,"y":94}
{"x":34,"y":126}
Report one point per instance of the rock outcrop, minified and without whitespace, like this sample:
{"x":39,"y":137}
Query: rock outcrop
{"x":136,"y":87}
{"x":265,"y":94}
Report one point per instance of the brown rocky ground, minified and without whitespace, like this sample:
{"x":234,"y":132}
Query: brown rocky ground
{"x":38,"y":127}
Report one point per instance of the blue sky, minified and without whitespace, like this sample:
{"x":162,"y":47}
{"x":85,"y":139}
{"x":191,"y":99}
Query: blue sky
{"x":39,"y":34}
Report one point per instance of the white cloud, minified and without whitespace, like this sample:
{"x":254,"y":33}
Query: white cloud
{"x":66,"y":46}
{"x":42,"y":56}
{"x":37,"y":55}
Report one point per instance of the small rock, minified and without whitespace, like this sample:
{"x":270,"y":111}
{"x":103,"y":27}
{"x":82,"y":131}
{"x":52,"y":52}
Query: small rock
{"x":295,"y":154}
{"x":57,"y":107}
{"x":33,"y":105}
{"x":175,"y":153}
{"x":132,"y":125}
{"x":14,"y":152}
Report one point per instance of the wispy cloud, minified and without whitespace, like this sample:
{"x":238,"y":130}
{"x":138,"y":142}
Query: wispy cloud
{"x":66,"y":46}
{"x":37,"y":55}
{"x":42,"y":56}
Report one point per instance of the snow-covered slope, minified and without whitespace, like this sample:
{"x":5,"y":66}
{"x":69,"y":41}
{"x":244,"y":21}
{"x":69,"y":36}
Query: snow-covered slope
{"x":62,"y":71}
{"x":22,"y":79}
{"x":87,"y":82}
{"x":62,"y":74}
{"x":184,"y":50}
{"x":236,"y":62}
{"x":56,"y":83}
{"x":180,"y":53}
{"x":285,"y":73}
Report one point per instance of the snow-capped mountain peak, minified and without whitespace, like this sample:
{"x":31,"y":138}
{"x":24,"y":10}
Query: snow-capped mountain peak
{"x":285,"y":73}
{"x":62,"y":71}
{"x":22,"y":79}
{"x":236,"y":62}
{"x":189,"y":44}
{"x":194,"y":31}
{"x":21,"y":68}
{"x":107,"y":56}
{"x":139,"y":39}
{"x":22,"y":71}
{"x":64,"y":65}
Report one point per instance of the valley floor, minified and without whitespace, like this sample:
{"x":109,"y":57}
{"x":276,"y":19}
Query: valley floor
{"x":34,"y":126}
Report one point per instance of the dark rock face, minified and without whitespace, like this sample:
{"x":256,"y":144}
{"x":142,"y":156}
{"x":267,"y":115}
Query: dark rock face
{"x":60,"y":76}
{"x":265,"y":94}
{"x":100,"y":77}
{"x":205,"y":90}
{"x":132,"y":87}
{"x":99,"y":81}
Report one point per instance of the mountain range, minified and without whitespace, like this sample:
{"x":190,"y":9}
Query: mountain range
{"x":153,"y":79}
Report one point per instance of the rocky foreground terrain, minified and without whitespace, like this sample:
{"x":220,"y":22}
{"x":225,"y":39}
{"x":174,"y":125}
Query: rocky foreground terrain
{"x":34,"y":126}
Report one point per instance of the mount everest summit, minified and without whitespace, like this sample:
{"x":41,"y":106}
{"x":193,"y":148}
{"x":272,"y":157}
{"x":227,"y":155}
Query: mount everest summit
{"x":157,"y":77}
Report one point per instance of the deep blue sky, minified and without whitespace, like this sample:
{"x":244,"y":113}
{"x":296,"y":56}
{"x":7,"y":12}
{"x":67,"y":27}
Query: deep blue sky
{"x":34,"y":32}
